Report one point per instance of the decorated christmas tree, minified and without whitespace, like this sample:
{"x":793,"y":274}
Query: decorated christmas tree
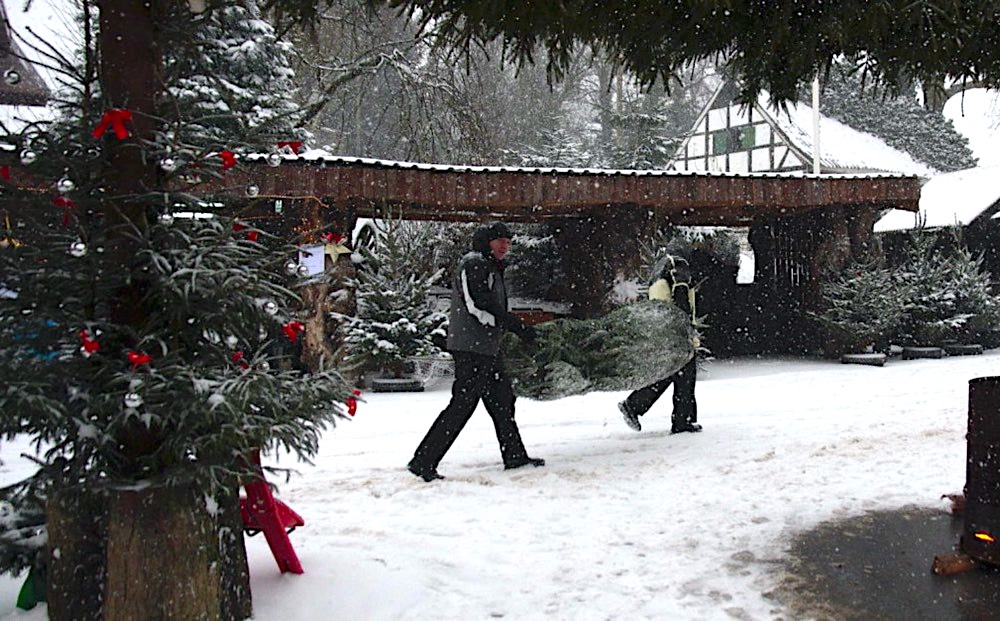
{"x":148,"y":355}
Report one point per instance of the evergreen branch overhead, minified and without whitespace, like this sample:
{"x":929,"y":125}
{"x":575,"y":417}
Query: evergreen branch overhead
{"x":774,"y":46}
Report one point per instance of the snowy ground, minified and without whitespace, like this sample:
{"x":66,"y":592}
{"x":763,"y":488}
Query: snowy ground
{"x":618,"y":525}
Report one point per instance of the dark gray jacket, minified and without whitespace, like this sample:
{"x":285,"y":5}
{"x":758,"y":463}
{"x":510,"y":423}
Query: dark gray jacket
{"x":479,"y":315}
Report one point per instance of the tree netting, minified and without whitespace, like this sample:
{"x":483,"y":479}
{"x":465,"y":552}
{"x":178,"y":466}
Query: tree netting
{"x":630,"y":347}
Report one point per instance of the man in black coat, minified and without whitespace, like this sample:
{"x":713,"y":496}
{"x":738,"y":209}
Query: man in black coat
{"x":478,"y":318}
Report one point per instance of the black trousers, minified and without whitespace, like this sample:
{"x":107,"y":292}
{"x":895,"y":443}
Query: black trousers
{"x":476,"y":377}
{"x":685,"y":407}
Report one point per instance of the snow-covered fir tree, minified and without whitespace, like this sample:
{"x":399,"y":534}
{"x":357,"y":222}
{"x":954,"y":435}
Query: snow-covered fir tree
{"x":864,"y":306}
{"x":395,"y":319}
{"x":900,"y":121}
{"x":947,"y":292}
{"x":231,"y":76}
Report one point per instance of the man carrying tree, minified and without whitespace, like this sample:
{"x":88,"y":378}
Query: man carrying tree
{"x":672,"y":284}
{"x":478,"y":318}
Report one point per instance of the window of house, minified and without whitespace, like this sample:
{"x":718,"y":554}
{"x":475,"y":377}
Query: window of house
{"x":733,"y":139}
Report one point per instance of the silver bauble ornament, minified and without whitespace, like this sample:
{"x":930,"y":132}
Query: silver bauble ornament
{"x":78,"y":249}
{"x":11,"y":77}
{"x":273,"y":160}
{"x":166,"y":218}
{"x":65,"y":185}
{"x":264,"y":365}
{"x":252,"y":190}
{"x":28,"y":157}
{"x":302,"y":270}
{"x":168,"y":164}
{"x":291,"y":267}
{"x":270,"y":307}
{"x":132,"y":400}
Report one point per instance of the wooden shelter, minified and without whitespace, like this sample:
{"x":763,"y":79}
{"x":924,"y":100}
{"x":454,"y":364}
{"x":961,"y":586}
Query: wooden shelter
{"x":799,"y":223}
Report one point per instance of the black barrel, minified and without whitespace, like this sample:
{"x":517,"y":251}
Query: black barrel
{"x":981,"y":532}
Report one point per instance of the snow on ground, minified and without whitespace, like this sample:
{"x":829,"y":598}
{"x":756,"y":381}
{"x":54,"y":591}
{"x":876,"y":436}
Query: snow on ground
{"x":618,"y":525}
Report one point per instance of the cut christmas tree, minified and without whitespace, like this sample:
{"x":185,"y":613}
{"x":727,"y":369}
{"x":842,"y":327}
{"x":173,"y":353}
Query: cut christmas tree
{"x":630,"y":347}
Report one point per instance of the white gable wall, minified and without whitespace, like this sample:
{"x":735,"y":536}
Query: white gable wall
{"x":736,"y":138}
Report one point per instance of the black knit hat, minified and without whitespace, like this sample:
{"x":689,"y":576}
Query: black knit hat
{"x":488,"y":232}
{"x":496,"y":230}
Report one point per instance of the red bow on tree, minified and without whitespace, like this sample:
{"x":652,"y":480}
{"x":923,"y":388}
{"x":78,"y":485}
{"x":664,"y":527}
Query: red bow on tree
{"x":115,"y":119}
{"x":237,"y":358}
{"x":333,"y":238}
{"x":294,"y":145}
{"x":138,"y":358}
{"x":352,"y":402}
{"x":251,"y":235}
{"x":228,"y":159}
{"x":68,"y":206}
{"x":292,"y":329}
{"x":89,"y":345}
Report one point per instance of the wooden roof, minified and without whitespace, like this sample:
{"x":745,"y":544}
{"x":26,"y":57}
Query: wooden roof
{"x":474,"y":193}
{"x":29,"y":89}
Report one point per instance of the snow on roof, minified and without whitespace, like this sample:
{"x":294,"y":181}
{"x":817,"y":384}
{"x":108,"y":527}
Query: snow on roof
{"x":955,"y":198}
{"x":842,"y":147}
{"x":322,"y":158}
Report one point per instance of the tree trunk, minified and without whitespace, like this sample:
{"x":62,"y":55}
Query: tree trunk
{"x":169,"y":559}
{"x":935,"y":95}
{"x":76,"y":525}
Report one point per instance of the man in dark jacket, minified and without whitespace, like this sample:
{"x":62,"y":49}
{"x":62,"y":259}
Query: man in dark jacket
{"x":672,"y":285}
{"x":478,"y":318}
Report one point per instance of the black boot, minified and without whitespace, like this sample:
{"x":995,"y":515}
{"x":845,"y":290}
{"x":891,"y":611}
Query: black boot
{"x":630,"y":419}
{"x":685,"y":427}
{"x":524,"y":461}
{"x":425,"y":473}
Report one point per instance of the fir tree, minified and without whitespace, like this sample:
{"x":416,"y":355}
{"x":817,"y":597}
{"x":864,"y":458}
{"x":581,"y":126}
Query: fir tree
{"x":864,"y":306}
{"x":232,"y":78}
{"x":395,"y":320}
{"x":947,"y":291}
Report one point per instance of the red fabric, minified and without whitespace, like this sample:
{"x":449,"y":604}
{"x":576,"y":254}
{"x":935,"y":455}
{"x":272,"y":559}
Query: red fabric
{"x":294,"y":145}
{"x":292,"y":330}
{"x":114,"y":118}
{"x":237,"y":358}
{"x":5,"y":172}
{"x":89,"y":345}
{"x":68,"y":206}
{"x":138,"y":358}
{"x":352,"y":402}
{"x":228,"y":159}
